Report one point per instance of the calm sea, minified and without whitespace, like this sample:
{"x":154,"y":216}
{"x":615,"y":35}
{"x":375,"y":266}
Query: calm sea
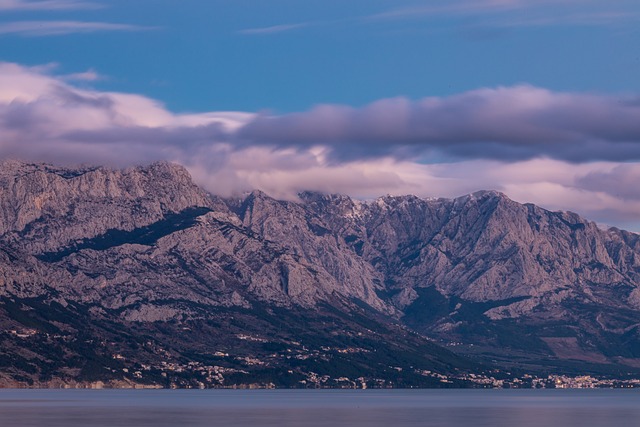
{"x":335,"y":408}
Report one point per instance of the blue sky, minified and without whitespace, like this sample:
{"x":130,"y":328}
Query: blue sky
{"x":539,"y":99}
{"x":200,"y":55}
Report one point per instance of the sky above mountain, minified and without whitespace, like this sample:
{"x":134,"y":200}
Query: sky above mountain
{"x":538,"y":99}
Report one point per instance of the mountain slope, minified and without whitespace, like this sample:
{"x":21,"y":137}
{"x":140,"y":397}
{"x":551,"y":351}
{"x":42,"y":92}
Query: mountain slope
{"x":487,"y":271}
{"x":140,"y":276}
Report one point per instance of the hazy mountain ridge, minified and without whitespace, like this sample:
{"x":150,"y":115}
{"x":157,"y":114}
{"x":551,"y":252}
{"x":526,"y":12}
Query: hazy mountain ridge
{"x":149,"y":253}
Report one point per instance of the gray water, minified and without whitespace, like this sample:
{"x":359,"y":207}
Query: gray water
{"x":335,"y":408}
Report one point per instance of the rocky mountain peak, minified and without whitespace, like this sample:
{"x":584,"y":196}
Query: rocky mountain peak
{"x":54,"y":206}
{"x":488,"y":194}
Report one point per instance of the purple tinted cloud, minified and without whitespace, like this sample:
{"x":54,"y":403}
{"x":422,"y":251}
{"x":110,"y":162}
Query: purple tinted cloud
{"x":621,"y":181}
{"x":505,"y":123}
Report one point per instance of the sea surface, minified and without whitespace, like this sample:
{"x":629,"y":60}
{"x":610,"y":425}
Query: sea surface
{"x":335,"y":408}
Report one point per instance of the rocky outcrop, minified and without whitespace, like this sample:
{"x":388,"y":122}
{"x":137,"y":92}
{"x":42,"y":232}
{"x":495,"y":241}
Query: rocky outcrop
{"x":48,"y":207}
{"x":333,"y":267}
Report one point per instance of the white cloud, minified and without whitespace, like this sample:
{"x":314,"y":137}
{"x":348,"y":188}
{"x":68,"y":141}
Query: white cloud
{"x":521,"y":13}
{"x":56,"y":28}
{"x":35,"y":5}
{"x":478,"y":16}
{"x":41,"y":113}
{"x":273,"y":29}
{"x":86,"y":76}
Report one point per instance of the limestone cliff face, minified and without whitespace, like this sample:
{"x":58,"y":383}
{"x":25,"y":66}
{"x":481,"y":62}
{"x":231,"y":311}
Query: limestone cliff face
{"x":482,"y":247}
{"x":148,"y":244}
{"x":127,"y":238}
{"x":49,"y":207}
{"x":491,"y":248}
{"x":331,"y":267}
{"x":484,"y":269}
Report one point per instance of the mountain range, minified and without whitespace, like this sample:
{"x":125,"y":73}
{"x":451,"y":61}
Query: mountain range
{"x":140,"y":277}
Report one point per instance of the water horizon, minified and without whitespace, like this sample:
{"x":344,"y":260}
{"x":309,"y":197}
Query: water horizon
{"x":312,"y":408}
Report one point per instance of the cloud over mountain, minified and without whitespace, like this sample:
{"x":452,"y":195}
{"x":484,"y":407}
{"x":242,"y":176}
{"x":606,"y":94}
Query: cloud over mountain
{"x":561,"y":150}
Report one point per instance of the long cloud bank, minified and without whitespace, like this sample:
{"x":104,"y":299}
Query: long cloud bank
{"x":507,"y":123}
{"x":561,"y":150}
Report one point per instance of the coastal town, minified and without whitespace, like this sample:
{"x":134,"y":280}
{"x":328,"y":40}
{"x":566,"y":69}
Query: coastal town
{"x":224,"y":369}
{"x":200,"y":375}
